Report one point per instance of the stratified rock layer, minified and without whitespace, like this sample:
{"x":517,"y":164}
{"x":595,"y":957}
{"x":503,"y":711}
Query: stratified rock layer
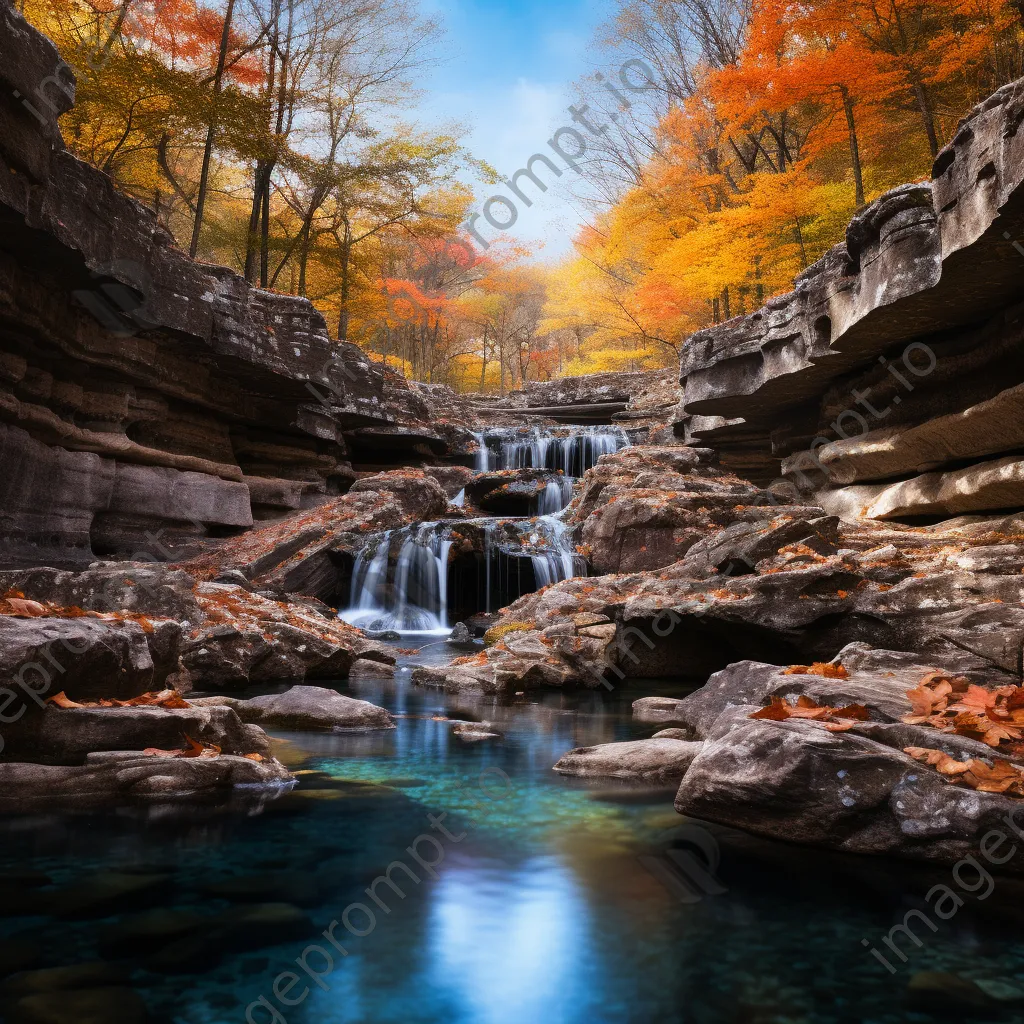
{"x":148,"y":401}
{"x":887,"y":383}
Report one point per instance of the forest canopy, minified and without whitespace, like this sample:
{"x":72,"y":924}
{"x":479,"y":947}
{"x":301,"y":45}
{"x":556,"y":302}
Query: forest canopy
{"x":277,"y":137}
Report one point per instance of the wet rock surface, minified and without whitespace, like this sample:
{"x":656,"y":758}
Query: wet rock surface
{"x":134,"y":778}
{"x":66,"y":736}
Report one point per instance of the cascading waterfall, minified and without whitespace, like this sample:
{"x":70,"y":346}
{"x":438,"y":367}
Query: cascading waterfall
{"x":417,"y":600}
{"x":400,"y":579}
{"x":556,"y":495}
{"x":570,"y":450}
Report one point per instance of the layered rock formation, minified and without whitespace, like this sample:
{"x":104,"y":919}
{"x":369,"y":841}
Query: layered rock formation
{"x":146,"y":400}
{"x":887,"y":383}
{"x":647,"y":398}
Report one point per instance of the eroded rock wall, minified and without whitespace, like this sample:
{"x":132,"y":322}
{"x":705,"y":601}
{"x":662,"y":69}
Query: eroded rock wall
{"x":886,"y":383}
{"x":148,"y":401}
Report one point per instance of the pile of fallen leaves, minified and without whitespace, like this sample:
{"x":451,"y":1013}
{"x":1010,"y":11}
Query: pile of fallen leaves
{"x":834,"y":719}
{"x":958,"y":706}
{"x":825,"y":669}
{"x":15,"y":604}
{"x":1001,"y":777}
{"x":155,"y":699}
{"x":192,"y":748}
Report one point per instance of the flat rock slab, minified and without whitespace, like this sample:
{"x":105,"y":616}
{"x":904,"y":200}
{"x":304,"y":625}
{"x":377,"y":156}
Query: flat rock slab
{"x":306,"y":707}
{"x":142,"y":779}
{"x":652,"y":760}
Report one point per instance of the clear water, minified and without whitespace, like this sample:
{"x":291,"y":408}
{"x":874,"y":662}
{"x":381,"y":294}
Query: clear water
{"x":542,"y":911}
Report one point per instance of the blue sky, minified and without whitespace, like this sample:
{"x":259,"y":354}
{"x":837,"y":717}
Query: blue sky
{"x":507,"y":75}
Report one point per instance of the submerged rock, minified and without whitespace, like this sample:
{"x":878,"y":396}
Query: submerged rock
{"x":90,"y":1006}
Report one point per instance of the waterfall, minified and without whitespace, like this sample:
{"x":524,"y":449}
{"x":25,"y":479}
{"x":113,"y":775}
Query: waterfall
{"x":552,"y":552}
{"x":417,"y":602}
{"x":402,"y":579}
{"x":571,"y":450}
{"x":556,"y":495}
{"x":483,"y":454}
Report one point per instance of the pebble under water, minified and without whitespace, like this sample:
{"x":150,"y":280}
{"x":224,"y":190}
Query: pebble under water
{"x":545,"y":908}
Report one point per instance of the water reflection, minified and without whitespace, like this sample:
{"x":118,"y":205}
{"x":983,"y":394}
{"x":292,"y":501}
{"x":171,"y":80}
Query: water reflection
{"x":542,"y":912}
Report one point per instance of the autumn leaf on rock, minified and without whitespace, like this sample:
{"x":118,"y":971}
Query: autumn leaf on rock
{"x":61,"y":700}
{"x":1000,"y":777}
{"x":938,"y":759}
{"x":193,"y":748}
{"x":993,"y":716}
{"x":21,"y":608}
{"x":834,"y":719}
{"x":819,"y":668}
{"x":169,"y":699}
{"x":777,"y":711}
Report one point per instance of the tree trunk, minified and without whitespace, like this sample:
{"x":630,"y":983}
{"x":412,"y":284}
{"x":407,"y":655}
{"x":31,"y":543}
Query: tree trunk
{"x":858,"y":171}
{"x":211,"y":131}
{"x":251,"y":246}
{"x":346,"y":256}
{"x":927,"y":115}
{"x":265,"y":234}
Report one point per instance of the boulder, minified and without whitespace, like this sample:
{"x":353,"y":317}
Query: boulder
{"x":659,"y":710}
{"x":644,"y":507}
{"x":303,"y":708}
{"x":87,"y":658}
{"x":854,"y":790}
{"x":66,"y":736}
{"x":652,"y":760}
{"x":142,"y":588}
{"x":419,"y":493}
{"x":248,"y":639}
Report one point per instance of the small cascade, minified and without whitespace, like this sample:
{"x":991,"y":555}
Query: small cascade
{"x":483,"y":454}
{"x":573,"y":450}
{"x":411,"y":596}
{"x":556,"y":495}
{"x":569,"y":450}
{"x":550,"y":547}
{"x":523,"y":555}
